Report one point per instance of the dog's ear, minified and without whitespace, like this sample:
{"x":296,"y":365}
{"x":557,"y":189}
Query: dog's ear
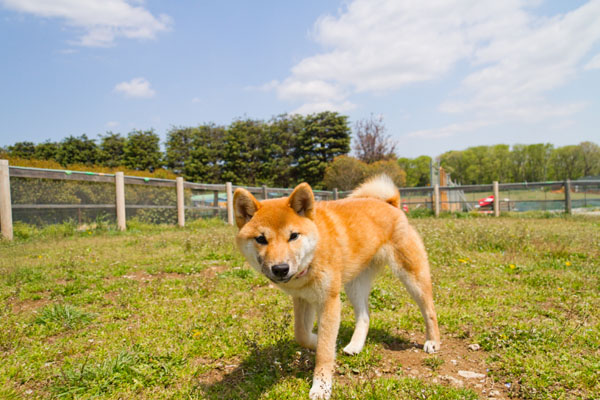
{"x":302,"y":200}
{"x":244,"y":206}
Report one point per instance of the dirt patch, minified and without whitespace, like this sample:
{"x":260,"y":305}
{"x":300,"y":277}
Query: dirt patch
{"x":454,"y":365}
{"x":24,"y":306}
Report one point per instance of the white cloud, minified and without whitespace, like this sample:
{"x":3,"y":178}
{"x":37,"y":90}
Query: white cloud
{"x":112,"y":124}
{"x":196,"y":99}
{"x":102,"y":21}
{"x":594,"y":63}
{"x":448,"y":130}
{"x":515,"y":59}
{"x":137,"y":87}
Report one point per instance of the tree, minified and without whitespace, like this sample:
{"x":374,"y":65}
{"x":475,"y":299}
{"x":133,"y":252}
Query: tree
{"x":418,"y":170}
{"x":590,"y":154}
{"x":179,"y":147}
{"x":142,"y":150}
{"x":112,"y":149}
{"x":246,"y":146}
{"x":325,"y":136}
{"x":345,"y":173}
{"x":77,"y":150}
{"x":389,"y":168}
{"x":371,"y":142}
{"x":22,"y":150}
{"x":567,"y":163}
{"x":283,"y":132}
{"x":46,"y":151}
{"x":205,"y":160}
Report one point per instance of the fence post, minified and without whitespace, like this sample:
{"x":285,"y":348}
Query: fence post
{"x":436,"y":200}
{"x":264,"y":192}
{"x":5,"y":203}
{"x":496,"y":199}
{"x":180,"y":202}
{"x":229,"y":189}
{"x":120,"y":191}
{"x":216,"y":202}
{"x":335,"y":194}
{"x":568,"y":208}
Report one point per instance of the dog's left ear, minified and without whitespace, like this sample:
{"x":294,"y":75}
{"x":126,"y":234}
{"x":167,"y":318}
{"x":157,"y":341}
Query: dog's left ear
{"x":302,"y":200}
{"x":244,"y":206}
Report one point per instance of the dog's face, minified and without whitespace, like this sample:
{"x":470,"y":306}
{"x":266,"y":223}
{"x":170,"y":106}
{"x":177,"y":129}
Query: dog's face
{"x":278,"y":237}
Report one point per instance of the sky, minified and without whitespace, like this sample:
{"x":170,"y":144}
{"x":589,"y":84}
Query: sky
{"x":443,"y":74}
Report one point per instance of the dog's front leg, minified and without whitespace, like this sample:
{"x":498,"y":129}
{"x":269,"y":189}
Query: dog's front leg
{"x":304,"y":319}
{"x":329,"y":323}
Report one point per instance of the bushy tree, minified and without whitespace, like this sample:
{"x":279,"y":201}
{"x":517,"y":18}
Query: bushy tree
{"x":46,"y":151}
{"x":345,"y":173}
{"x":325,"y":136}
{"x":389,"y":168}
{"x":178,"y":147}
{"x":590,"y":155}
{"x":205,"y":161}
{"x":22,"y":150}
{"x":78,"y":150}
{"x":567,"y":163}
{"x":142,"y":150}
{"x":418,"y":170}
{"x":112,"y":149}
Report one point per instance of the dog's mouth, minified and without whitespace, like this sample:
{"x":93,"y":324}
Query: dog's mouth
{"x":302,"y":273}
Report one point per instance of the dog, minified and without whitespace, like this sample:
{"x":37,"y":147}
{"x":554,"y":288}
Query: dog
{"x":311,"y":250}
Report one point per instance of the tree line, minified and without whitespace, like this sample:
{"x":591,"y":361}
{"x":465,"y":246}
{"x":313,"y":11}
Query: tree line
{"x":289,"y":149}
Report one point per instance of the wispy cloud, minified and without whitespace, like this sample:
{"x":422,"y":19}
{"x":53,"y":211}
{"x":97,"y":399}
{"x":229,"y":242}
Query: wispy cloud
{"x":137,"y":87}
{"x":594,"y":63}
{"x":514,"y":57}
{"x":102,"y":21}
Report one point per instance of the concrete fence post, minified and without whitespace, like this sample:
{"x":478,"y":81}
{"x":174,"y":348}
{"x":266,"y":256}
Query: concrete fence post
{"x":496,"y":199}
{"x":436,"y":200}
{"x":568,"y":208}
{"x":335,"y":194}
{"x":180,"y":202}
{"x":229,"y":188}
{"x":120,"y":199}
{"x":265,"y":193}
{"x":6,"y":224}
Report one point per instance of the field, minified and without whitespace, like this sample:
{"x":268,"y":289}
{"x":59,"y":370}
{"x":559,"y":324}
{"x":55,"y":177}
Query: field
{"x":160,"y":312}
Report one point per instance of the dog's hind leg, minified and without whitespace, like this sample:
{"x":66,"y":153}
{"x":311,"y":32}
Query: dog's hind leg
{"x":358,"y":293}
{"x":304,"y":319}
{"x":412,"y":267}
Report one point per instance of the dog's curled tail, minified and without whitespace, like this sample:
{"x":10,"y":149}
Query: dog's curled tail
{"x":379,"y":187}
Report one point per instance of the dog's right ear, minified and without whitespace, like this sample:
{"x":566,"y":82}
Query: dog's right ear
{"x":244,"y":206}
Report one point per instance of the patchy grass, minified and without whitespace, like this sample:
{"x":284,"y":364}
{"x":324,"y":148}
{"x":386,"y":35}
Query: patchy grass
{"x":160,"y":312}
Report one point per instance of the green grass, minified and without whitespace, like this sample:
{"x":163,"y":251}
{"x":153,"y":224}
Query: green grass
{"x":159,"y":312}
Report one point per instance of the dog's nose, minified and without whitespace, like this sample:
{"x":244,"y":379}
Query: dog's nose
{"x":280,"y":270}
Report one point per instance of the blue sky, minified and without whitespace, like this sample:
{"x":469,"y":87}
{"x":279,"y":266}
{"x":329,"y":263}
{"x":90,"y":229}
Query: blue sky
{"x":444,"y":75}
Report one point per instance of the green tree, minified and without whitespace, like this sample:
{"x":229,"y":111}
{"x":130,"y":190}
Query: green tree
{"x":283,"y":132}
{"x":590,"y":154}
{"x":179,"y":147}
{"x":22,"y":150}
{"x":246,"y":147}
{"x":325,"y":136}
{"x":46,"y":151}
{"x":142,"y":150}
{"x":418,"y":170}
{"x":204,"y":163}
{"x":389,"y":168}
{"x":78,"y":150}
{"x":567,"y":163}
{"x":112,"y":149}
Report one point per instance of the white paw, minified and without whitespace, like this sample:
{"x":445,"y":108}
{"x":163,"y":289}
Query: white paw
{"x":320,"y":390}
{"x":431,"y":346}
{"x":353,"y":348}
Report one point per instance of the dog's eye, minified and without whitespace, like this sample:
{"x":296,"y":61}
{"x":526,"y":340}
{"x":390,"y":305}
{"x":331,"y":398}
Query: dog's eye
{"x":261,"y":239}
{"x":293,"y":236}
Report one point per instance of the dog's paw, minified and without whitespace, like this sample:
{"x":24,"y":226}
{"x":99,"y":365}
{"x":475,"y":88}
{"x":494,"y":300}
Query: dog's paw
{"x":353,"y":349}
{"x":431,"y":346}
{"x":320,"y":390}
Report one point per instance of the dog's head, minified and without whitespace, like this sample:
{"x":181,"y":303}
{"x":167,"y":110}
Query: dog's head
{"x":278,"y":237}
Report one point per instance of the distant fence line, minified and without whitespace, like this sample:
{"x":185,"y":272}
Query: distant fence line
{"x":115,"y":198}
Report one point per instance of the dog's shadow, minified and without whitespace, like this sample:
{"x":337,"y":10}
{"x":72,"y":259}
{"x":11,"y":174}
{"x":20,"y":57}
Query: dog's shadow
{"x":267,"y":365}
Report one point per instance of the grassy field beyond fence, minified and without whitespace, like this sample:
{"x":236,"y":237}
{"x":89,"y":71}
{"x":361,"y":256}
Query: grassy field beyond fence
{"x":159,"y":312}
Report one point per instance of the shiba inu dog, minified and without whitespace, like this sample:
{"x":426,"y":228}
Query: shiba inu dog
{"x":312,"y":250}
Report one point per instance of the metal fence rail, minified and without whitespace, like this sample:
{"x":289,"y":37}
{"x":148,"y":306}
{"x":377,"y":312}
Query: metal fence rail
{"x":48,"y":194}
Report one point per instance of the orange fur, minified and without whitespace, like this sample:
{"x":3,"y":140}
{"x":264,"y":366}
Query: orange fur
{"x":339,"y":244}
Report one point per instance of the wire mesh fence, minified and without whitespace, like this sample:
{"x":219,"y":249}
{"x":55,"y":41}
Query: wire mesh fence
{"x":42,"y":197}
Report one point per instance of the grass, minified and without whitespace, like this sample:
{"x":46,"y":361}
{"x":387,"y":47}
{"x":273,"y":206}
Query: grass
{"x":159,"y":312}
